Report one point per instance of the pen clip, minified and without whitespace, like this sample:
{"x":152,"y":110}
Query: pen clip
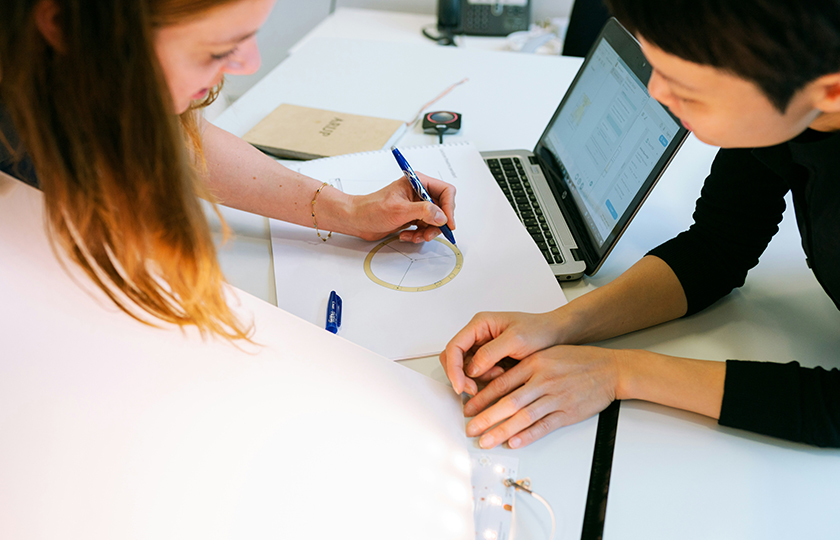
{"x":418,"y":187}
{"x":338,"y":303}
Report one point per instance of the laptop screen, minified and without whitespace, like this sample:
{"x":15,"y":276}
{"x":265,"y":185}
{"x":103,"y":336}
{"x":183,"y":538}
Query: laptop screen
{"x":608,"y":137}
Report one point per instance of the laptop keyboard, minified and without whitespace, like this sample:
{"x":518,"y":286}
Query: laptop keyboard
{"x":510,"y":175}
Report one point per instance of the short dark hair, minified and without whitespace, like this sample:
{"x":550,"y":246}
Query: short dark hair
{"x":780,"y":45}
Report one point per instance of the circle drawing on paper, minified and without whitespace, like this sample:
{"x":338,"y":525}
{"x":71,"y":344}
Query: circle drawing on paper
{"x":410,"y":267}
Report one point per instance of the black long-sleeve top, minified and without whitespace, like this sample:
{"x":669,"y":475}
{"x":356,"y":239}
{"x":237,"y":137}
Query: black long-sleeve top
{"x":737,"y":214}
{"x":14,"y":161}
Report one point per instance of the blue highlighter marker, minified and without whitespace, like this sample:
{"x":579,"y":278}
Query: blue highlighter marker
{"x":333,"y":313}
{"x":419,"y":189}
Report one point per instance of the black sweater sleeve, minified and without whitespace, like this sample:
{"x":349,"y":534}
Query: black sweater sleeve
{"x":738,"y":212}
{"x":783,"y":400}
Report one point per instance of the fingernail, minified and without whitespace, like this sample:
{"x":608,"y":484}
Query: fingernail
{"x":486,"y":441}
{"x":472,"y":370}
{"x":514,"y":442}
{"x":440,"y":217}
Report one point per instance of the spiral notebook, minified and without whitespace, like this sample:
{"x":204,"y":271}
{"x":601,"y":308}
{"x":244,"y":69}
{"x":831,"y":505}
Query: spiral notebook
{"x":406,"y":300}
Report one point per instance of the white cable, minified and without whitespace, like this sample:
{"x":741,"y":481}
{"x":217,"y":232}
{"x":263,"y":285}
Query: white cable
{"x":510,"y":482}
{"x":550,"y":512}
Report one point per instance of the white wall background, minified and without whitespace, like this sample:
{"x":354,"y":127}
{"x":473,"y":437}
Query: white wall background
{"x":540,"y":8}
{"x":289,"y":21}
{"x":292,"y":19}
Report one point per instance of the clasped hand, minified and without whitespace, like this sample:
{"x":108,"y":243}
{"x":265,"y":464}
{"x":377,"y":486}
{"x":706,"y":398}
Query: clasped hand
{"x":396,"y":207}
{"x":551,"y":386}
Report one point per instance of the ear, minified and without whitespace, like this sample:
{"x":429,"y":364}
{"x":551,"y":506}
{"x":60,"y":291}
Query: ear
{"x":827,"y":93}
{"x":47,"y":21}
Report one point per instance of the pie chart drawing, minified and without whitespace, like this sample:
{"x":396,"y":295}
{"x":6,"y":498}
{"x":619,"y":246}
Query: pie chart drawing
{"x":410,"y":267}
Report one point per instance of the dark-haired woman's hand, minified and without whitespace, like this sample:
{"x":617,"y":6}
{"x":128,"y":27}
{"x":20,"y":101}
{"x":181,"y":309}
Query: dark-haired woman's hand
{"x":549,"y":389}
{"x":472,"y":355}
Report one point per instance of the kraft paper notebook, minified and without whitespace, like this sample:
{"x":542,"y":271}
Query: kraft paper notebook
{"x":294,"y":132}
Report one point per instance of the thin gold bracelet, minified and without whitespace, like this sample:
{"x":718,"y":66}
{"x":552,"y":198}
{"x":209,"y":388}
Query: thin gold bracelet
{"x":314,"y":220}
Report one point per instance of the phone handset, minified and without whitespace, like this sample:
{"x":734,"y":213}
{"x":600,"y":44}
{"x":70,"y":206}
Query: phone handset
{"x":449,"y":15}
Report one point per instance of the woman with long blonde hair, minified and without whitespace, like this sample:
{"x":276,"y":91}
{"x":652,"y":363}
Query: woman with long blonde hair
{"x":100,"y":109}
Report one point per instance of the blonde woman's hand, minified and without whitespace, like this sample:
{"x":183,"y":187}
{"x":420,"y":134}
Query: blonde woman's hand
{"x":396,"y":207}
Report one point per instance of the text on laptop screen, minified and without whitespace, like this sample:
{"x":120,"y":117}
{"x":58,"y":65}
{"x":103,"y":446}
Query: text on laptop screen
{"x":608,"y":137}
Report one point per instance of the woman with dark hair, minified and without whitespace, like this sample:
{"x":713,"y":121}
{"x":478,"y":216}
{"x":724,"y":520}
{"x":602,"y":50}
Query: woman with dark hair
{"x":761,"y":79}
{"x":99,"y":108}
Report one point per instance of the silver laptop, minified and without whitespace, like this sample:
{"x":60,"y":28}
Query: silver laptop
{"x":596,"y":162}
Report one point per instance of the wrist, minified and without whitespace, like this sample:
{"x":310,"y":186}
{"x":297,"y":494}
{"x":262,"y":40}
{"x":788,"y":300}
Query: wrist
{"x":571,"y":323}
{"x":629,"y":369}
{"x":681,"y":383}
{"x":336,"y":211}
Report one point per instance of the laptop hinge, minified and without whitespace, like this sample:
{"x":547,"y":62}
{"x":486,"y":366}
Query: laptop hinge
{"x":533,"y":159}
{"x":576,"y":254}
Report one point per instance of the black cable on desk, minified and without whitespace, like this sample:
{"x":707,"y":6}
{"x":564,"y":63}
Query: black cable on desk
{"x":441,"y":129}
{"x":444,"y":38}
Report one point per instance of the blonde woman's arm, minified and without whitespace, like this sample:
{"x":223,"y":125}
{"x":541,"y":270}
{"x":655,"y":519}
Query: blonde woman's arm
{"x":242,"y":177}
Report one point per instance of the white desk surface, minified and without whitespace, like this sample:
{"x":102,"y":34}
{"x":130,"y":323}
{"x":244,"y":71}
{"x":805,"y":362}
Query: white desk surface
{"x":674,"y":474}
{"x":680,"y":475}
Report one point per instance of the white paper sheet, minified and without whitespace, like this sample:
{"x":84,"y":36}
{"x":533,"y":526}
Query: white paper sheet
{"x":502,"y":270}
{"x":113,"y":429}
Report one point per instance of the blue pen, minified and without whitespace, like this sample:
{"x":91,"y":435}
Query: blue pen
{"x":334,"y":313}
{"x":418,"y":187}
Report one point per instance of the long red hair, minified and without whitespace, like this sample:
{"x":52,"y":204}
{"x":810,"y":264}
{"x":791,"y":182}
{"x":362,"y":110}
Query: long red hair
{"x":121,"y":174}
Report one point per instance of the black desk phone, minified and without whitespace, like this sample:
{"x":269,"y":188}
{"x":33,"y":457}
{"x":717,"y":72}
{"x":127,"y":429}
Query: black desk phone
{"x":483,"y":17}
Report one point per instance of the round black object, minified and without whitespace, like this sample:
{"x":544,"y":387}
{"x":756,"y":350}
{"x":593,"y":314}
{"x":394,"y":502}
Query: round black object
{"x":442,"y":116}
{"x":434,"y":122}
